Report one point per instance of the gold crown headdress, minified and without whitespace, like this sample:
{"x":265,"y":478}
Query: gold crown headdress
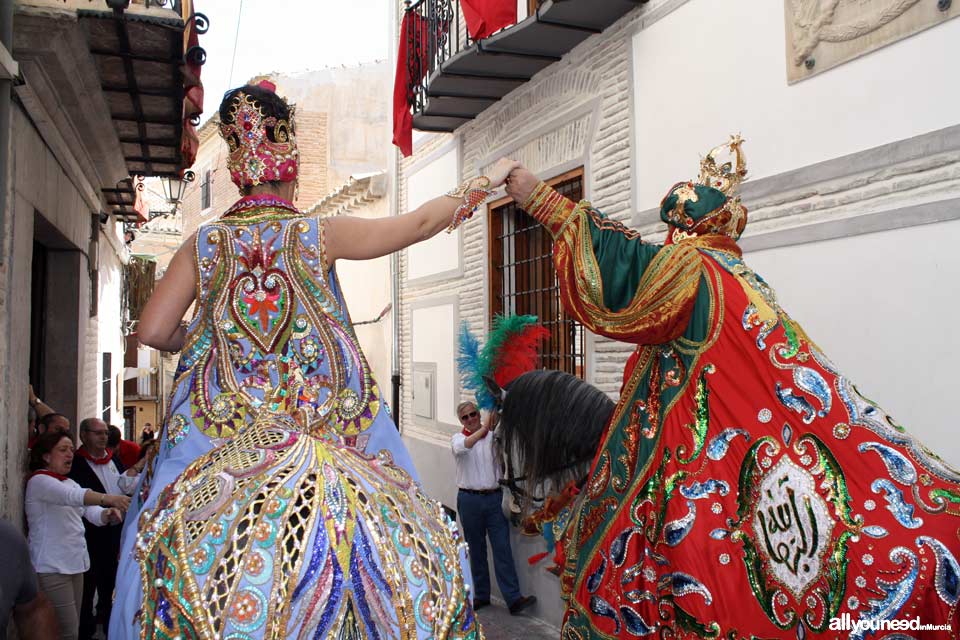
{"x":724,"y":177}
{"x":261,"y":148}
{"x":707,"y":206}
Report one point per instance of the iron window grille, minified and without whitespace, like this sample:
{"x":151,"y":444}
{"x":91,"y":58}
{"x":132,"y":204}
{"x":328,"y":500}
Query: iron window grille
{"x":523,"y":279}
{"x":438,"y":32}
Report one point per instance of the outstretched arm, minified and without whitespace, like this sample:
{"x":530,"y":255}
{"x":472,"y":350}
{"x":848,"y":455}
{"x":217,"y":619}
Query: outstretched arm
{"x":361,"y":239}
{"x":159,"y":325}
{"x":611,"y":281}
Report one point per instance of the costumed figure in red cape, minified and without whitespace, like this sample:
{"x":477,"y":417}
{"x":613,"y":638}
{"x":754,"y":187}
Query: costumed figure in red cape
{"x":742,"y":486}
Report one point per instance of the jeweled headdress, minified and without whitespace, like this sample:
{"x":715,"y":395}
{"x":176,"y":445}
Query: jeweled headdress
{"x":708,"y":206}
{"x":262,"y":148}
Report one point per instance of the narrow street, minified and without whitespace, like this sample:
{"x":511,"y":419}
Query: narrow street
{"x":498,"y":624}
{"x":315,"y":312}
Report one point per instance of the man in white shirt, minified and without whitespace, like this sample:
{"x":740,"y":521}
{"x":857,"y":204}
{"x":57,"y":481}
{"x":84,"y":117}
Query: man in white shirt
{"x":100,"y":469}
{"x":480,"y":504}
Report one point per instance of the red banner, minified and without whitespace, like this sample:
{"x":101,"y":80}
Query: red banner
{"x":414,"y":32}
{"x":486,"y":17}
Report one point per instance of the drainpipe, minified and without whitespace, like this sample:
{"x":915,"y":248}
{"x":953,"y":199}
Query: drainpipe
{"x":6,"y":90}
{"x":394,"y":174}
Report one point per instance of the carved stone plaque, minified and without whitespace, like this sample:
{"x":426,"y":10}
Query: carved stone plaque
{"x":824,"y":33}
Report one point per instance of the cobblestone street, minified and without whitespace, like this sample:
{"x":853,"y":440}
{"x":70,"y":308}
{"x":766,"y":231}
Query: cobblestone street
{"x":498,"y":624}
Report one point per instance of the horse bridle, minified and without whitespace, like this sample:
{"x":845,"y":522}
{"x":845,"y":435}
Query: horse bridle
{"x":518,"y":493}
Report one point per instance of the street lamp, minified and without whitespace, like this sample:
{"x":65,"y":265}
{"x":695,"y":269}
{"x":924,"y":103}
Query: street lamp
{"x":174,"y":187}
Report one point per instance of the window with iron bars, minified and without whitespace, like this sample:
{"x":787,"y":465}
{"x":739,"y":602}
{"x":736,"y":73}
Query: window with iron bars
{"x":523,"y":279}
{"x":206,"y":198}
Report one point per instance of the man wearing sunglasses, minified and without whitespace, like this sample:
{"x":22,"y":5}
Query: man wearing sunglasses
{"x":480,"y":504}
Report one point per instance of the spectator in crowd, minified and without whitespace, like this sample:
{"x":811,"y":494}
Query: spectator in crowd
{"x":56,"y":506}
{"x":480,"y":504}
{"x":149,"y":449}
{"x":54,"y":422}
{"x":31,"y":426}
{"x":20,"y":594}
{"x":100,"y":469}
{"x":40,"y":417}
{"x":147,"y":434}
{"x":128,"y":450}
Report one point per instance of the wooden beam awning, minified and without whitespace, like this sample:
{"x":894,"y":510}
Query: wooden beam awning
{"x":148,"y":58}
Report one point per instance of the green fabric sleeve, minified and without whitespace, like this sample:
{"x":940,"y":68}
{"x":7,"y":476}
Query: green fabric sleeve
{"x":622,"y":260}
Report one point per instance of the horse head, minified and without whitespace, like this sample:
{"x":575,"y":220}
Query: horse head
{"x":551,"y":424}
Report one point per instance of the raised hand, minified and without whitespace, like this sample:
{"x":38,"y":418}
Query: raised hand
{"x":521,"y":183}
{"x":498,"y":174}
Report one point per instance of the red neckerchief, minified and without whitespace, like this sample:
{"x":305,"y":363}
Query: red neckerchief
{"x":46,"y":472}
{"x":470,"y":433}
{"x":107,"y":457}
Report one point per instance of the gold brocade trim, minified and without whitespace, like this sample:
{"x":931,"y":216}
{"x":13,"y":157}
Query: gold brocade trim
{"x":549,"y":208}
{"x":239,"y":516}
{"x":715,"y":319}
{"x":665,"y":291}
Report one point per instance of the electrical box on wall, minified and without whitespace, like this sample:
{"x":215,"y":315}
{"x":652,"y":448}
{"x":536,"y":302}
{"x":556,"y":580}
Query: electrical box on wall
{"x":424,"y":390}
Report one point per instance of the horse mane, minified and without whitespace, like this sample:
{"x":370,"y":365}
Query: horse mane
{"x":552,"y":422}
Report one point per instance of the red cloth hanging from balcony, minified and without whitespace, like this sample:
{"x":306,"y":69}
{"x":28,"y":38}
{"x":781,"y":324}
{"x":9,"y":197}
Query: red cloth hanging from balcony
{"x":486,"y":17}
{"x":414,"y":32}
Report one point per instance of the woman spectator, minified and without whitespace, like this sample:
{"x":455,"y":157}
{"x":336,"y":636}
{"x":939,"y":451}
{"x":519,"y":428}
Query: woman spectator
{"x":55,"y":505}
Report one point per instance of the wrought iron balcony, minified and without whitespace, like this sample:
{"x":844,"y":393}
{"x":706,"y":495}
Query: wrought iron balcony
{"x":454,"y":78}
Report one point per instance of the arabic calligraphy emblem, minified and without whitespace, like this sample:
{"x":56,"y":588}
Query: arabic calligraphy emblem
{"x":792,"y":526}
{"x":794,"y":522}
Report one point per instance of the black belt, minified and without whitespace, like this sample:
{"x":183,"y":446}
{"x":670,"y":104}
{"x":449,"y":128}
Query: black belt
{"x":481,"y":492}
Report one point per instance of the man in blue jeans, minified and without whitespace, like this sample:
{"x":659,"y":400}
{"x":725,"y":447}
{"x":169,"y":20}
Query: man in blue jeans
{"x":480,"y":504}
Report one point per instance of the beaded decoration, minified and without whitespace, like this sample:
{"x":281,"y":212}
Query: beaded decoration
{"x":256,"y":157}
{"x":473,"y":197}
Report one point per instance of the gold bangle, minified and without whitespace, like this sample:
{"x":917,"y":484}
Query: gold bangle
{"x":473,"y":192}
{"x":467,"y":185}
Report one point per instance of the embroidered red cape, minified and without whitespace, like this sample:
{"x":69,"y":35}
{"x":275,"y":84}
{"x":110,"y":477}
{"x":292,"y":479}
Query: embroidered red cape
{"x":744,"y":488}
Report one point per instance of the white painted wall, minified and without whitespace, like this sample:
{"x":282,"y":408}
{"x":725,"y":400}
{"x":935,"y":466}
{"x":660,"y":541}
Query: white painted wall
{"x":109,"y":330}
{"x":433,"y":341}
{"x":881,"y":306}
{"x":713,"y":68}
{"x":440,"y":253}
{"x":366,"y":289}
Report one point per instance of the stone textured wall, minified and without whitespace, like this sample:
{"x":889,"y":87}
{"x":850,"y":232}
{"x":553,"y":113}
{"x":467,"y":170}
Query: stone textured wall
{"x":40,"y":187}
{"x":576,"y":112}
{"x":341,"y":123}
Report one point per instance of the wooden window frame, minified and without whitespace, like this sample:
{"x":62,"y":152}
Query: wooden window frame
{"x":566,"y":348}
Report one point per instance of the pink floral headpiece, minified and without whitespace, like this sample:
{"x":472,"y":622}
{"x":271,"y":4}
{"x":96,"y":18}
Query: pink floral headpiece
{"x":254,"y":157}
